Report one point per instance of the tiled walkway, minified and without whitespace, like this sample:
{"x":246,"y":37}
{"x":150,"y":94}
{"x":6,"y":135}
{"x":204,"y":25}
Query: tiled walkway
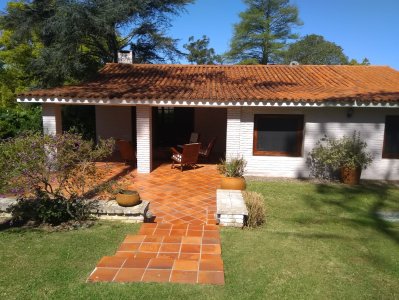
{"x":183,"y":245}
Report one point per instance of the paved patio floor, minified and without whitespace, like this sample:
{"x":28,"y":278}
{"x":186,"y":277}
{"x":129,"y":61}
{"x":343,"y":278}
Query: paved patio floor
{"x":183,"y":244}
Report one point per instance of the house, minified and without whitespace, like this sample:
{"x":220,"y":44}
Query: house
{"x":271,"y":115}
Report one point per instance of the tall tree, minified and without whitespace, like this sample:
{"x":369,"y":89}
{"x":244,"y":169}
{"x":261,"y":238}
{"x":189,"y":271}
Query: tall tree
{"x":263,"y":31}
{"x":80,"y":35}
{"x":315,"y":50}
{"x":199,"y":51}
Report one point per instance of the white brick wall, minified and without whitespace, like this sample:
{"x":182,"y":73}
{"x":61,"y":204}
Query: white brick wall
{"x":144,"y":139}
{"x":370,"y":122}
{"x":233,"y":132}
{"x":114,"y":122}
{"x":52,"y":120}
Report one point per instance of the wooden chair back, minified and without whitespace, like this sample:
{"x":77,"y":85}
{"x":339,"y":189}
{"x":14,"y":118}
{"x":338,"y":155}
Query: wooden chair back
{"x":209,"y":148}
{"x":190,"y":153}
{"x":194,"y":138}
{"x":126,"y":150}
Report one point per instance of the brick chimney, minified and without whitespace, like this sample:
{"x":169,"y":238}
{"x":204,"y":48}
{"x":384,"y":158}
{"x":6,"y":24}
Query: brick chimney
{"x":125,"y":57}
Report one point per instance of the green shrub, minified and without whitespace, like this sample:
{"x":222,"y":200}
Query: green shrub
{"x":234,"y":167}
{"x":330,"y":155}
{"x":256,"y":209}
{"x":17,"y":120}
{"x":41,"y":209}
{"x":60,"y":171}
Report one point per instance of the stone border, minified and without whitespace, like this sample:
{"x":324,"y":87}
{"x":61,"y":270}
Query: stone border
{"x":106,"y":210}
{"x":389,"y":216}
{"x":231,"y":210}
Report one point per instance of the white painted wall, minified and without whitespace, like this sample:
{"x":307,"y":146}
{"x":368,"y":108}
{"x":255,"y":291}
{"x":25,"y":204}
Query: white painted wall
{"x":370,"y":122}
{"x":211,"y":123}
{"x":144,"y":139}
{"x":114,"y":121}
{"x":52,"y":119}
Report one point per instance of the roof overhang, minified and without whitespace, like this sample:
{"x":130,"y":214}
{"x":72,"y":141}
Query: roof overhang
{"x":211,"y":103}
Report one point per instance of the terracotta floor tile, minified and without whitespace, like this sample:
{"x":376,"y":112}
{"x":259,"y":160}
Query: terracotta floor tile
{"x":149,"y":225}
{"x":146,"y":231}
{"x":153,"y":239}
{"x":185,"y":265}
{"x":162,"y":232}
{"x":183,"y":276}
{"x":125,"y":254}
{"x":210,"y":241}
{"x":170,"y":248}
{"x":211,"y":265}
{"x":146,"y":255}
{"x":211,"y":249}
{"x":150,"y":247}
{"x":136,"y":263}
{"x":190,"y":248}
{"x":195,"y":233}
{"x":178,"y":232}
{"x":211,"y":256}
{"x":156,"y":276}
{"x":190,"y":256}
{"x":191,"y":240}
{"x":111,"y":262}
{"x":172,"y":239}
{"x":210,"y":277}
{"x":129,"y":247}
{"x":212,"y":234}
{"x":103,"y":275}
{"x":129,"y":275}
{"x":160,"y":263}
{"x":169,"y":255}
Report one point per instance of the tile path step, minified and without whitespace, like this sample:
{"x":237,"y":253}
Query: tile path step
{"x":162,"y":252}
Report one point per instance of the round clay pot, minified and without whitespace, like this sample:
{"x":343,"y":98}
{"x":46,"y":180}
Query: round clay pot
{"x":233,"y":183}
{"x":351,"y":176}
{"x":128,"y":198}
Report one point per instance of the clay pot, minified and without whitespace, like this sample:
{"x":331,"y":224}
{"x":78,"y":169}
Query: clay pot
{"x":233,"y":183}
{"x":351,"y":176}
{"x":128,"y":198}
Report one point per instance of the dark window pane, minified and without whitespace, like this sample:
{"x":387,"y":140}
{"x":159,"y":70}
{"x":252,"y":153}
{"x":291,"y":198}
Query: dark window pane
{"x":391,"y":143}
{"x":278,"y":134}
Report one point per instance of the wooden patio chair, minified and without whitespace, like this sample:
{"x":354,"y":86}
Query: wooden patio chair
{"x":126,"y":150}
{"x":188,"y":157}
{"x":194,"y":137}
{"x":206,"y":152}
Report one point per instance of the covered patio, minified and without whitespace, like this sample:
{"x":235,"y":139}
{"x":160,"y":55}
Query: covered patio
{"x":175,"y":197}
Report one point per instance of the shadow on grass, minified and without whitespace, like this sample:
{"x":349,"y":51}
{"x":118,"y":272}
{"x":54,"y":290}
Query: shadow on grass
{"x":349,"y":199}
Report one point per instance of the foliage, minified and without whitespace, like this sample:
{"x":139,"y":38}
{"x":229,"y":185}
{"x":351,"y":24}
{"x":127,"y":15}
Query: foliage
{"x":331,"y":154}
{"x":19,"y":119}
{"x":256,"y":209}
{"x":41,"y":209}
{"x":315,"y":50}
{"x":79,"y":36}
{"x":364,"y":62}
{"x":15,"y":71}
{"x":234,"y":167}
{"x":200,"y":53}
{"x":263,"y":31}
{"x":60,"y":168}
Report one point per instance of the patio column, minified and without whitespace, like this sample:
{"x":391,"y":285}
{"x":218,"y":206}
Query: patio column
{"x":52,"y":120}
{"x":233,"y":132}
{"x":144,"y":139}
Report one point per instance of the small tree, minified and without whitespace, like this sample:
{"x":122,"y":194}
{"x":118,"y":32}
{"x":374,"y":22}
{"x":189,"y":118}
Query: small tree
{"x":200,"y":53}
{"x":60,"y":169}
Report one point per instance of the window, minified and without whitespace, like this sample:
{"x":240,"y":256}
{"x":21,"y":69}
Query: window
{"x":391,"y":138}
{"x":278,"y":135}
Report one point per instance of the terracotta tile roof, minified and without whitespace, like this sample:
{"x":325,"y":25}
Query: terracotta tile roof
{"x":234,"y":83}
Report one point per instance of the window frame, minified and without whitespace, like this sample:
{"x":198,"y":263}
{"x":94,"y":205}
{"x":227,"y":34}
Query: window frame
{"x":299,"y":135}
{"x":384,"y":146}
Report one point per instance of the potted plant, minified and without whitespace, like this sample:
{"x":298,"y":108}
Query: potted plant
{"x":346,"y":156}
{"x":127,"y":198}
{"x":353,"y":158}
{"x":233,"y":172}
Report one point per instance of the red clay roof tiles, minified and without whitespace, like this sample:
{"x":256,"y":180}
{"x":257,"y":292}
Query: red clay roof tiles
{"x":234,"y":83}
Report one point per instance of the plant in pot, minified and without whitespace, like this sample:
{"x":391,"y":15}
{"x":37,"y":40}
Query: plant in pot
{"x":353,"y":158}
{"x":233,"y":172}
{"x":346,"y":156}
{"x":128,"y":198}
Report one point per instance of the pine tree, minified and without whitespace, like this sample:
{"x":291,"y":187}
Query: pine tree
{"x":263,"y":31}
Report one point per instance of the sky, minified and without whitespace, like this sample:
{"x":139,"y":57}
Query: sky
{"x":363,"y":28}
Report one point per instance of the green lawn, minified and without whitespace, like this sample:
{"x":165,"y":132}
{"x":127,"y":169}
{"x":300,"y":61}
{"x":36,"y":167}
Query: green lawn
{"x":320,"y":241}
